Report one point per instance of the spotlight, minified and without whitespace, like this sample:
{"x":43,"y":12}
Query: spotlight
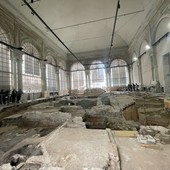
{"x":135,"y":59}
{"x":147,"y":47}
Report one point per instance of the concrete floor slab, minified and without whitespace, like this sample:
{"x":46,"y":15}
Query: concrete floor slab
{"x":78,"y":149}
{"x":135,"y":157}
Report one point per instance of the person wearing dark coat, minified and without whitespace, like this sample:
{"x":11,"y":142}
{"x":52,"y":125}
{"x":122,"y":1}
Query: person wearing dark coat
{"x":19,"y":93}
{"x":13,"y":96}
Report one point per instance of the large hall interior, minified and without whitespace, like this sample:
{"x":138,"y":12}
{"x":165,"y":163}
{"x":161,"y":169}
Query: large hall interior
{"x":84,"y":84}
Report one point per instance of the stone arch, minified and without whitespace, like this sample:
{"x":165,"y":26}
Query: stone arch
{"x":158,"y":33}
{"x":119,"y":73}
{"x":162,"y":51}
{"x":50,"y":60}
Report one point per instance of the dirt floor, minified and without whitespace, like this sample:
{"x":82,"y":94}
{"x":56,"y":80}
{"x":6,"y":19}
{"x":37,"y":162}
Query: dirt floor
{"x":20,"y":140}
{"x":136,"y":157}
{"x":74,"y":147}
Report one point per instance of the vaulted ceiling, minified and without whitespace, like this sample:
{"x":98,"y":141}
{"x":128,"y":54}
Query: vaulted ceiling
{"x":85,"y":25}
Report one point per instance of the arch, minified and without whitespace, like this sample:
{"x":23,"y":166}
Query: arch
{"x":97,"y":74}
{"x":31,"y":69}
{"x":162,"y":52}
{"x":162,"y":27}
{"x":51,"y":75}
{"x":30,"y":49}
{"x":77,"y":66}
{"x":78,"y":80}
{"x":50,"y":60}
{"x":5,"y":62}
{"x":119,"y":73}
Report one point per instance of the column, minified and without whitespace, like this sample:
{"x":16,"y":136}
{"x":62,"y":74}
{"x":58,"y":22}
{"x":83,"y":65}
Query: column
{"x":140,"y":73}
{"x":68,"y":81}
{"x":87,"y":73}
{"x":18,"y":59}
{"x":58,"y":79}
{"x":154,"y":64}
{"x":13,"y":71}
{"x":43,"y":78}
{"x":129,"y":72}
{"x":108,"y":78}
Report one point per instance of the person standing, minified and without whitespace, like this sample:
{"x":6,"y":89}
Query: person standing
{"x":13,"y":96}
{"x":19,"y":93}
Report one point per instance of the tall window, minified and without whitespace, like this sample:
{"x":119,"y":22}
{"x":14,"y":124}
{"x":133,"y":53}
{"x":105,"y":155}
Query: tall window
{"x":97,"y":75}
{"x":119,"y":73}
{"x":78,"y":80}
{"x":5,"y":62}
{"x":62,"y":77}
{"x":31,"y":70}
{"x":51,"y":76}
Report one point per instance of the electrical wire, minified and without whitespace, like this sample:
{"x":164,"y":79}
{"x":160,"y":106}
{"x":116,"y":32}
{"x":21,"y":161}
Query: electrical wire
{"x":97,"y":20}
{"x":35,"y":13}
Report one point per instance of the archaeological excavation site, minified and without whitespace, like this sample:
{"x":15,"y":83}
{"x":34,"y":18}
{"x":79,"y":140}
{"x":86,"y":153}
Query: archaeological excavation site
{"x":84,"y":84}
{"x":94,"y":131}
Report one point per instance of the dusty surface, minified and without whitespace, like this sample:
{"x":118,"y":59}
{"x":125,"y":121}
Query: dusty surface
{"x":77,"y":149}
{"x":135,"y":157}
{"x":13,"y":138}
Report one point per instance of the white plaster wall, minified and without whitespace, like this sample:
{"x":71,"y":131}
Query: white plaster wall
{"x":161,"y":49}
{"x":146,"y":70}
{"x":135,"y":73}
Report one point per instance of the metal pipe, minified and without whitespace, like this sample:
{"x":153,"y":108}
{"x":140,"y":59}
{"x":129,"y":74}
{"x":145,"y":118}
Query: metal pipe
{"x":35,"y":13}
{"x":114,"y":26}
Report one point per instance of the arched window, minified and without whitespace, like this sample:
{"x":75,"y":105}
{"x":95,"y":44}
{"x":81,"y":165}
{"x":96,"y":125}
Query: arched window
{"x":78,"y":80}
{"x":51,"y":76}
{"x":5,"y":62}
{"x":62,"y":77}
{"x":97,"y":75}
{"x":31,"y":70}
{"x":119,"y":73}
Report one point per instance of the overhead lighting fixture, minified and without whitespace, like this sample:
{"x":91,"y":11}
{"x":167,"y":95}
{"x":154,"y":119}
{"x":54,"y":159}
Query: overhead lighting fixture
{"x":147,"y":47}
{"x":135,"y":58}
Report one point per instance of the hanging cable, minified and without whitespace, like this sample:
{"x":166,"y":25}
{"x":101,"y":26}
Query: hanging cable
{"x":35,"y":13}
{"x":114,"y":26}
{"x":97,"y":20}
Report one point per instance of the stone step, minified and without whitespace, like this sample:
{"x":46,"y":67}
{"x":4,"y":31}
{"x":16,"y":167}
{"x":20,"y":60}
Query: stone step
{"x":12,"y":120}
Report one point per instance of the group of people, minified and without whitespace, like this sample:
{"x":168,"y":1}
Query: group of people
{"x":8,"y":96}
{"x":133,"y":87}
